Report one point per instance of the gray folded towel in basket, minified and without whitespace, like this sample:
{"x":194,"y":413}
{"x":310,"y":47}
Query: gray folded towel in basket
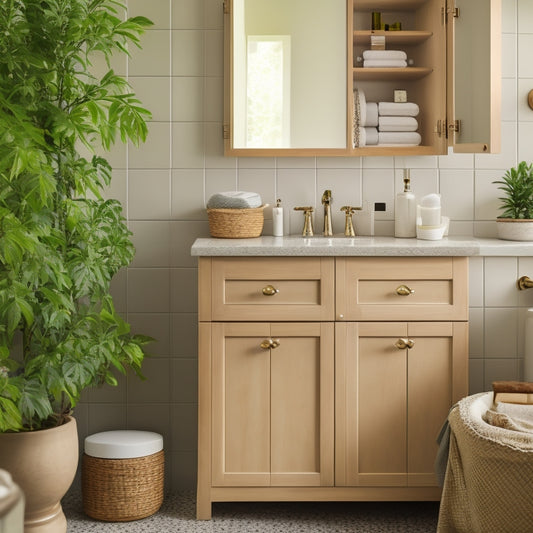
{"x":234,"y":200}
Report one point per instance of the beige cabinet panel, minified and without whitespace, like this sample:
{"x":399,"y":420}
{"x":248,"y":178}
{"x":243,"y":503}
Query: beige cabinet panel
{"x":393,"y":401}
{"x":402,"y":288}
{"x":272,"y":407}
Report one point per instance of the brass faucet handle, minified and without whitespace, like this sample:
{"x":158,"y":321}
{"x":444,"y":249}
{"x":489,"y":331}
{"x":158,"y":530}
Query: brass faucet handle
{"x":308,"y":221}
{"x":350,"y":209}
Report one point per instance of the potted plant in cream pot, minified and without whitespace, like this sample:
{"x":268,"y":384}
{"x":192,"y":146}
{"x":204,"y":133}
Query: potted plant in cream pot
{"x":61,"y":242}
{"x":516,"y":221}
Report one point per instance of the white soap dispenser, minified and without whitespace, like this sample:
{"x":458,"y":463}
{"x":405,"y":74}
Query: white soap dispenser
{"x":277,"y":219}
{"x":405,"y":209}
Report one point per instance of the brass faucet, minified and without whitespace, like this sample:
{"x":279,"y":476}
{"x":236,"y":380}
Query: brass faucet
{"x":349,"y":210}
{"x":326,"y":202}
{"x":308,"y":221}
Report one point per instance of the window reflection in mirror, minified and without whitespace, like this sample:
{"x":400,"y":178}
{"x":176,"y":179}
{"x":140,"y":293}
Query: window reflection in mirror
{"x":289,"y":74}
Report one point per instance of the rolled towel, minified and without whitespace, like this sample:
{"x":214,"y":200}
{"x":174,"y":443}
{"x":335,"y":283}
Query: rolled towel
{"x":234,"y":200}
{"x":371,"y":115}
{"x":362,"y":105}
{"x":398,"y":124}
{"x":371,"y":136}
{"x":359,"y":140}
{"x":399,"y":137}
{"x":406,"y":109}
{"x":385,"y":54}
{"x":384,"y":63}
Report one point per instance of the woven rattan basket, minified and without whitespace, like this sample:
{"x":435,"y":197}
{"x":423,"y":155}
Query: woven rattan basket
{"x":120,"y":490}
{"x":236,"y":223}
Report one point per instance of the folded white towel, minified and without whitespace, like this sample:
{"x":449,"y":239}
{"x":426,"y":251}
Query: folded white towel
{"x":406,"y":109}
{"x":384,"y":54}
{"x":234,"y":200}
{"x":400,"y":137}
{"x":384,"y":63}
{"x":372,"y":137}
{"x":371,"y":115}
{"x":398,"y":124}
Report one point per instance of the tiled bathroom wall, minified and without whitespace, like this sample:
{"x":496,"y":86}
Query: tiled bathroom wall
{"x":164,"y":184}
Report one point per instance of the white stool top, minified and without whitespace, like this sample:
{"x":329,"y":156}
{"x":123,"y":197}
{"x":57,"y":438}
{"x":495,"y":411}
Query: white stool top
{"x":123,"y":444}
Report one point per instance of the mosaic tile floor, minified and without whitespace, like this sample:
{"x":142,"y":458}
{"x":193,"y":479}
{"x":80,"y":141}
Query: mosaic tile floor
{"x":178,"y":515}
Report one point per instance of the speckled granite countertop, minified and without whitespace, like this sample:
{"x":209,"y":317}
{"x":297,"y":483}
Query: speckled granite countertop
{"x":358,"y":246}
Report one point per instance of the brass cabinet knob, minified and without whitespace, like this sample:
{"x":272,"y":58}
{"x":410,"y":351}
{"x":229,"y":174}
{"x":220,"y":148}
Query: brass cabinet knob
{"x":404,"y":290}
{"x":268,"y":344}
{"x":269,"y":290}
{"x":403,"y":344}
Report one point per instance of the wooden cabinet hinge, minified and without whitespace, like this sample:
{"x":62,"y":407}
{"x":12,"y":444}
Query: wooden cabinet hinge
{"x":225,"y":131}
{"x":225,"y":7}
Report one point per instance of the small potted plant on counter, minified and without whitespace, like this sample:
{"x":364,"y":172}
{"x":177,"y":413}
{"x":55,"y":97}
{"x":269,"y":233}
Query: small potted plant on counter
{"x":516,"y":221}
{"x":61,"y":241}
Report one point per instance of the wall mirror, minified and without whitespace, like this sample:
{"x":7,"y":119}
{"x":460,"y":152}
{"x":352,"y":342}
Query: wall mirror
{"x":288,"y":83}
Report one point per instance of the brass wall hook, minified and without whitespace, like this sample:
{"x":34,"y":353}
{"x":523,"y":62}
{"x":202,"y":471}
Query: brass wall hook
{"x":525,"y":282}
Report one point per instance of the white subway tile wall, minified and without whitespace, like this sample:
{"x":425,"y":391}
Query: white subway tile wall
{"x":165,"y":183}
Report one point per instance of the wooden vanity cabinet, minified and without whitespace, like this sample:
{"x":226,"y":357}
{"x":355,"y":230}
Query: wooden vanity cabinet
{"x":323,"y":378}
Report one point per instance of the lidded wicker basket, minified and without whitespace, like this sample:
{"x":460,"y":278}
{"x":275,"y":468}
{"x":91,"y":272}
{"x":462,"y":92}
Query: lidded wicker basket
{"x":123,"y":475}
{"x":236,"y":223}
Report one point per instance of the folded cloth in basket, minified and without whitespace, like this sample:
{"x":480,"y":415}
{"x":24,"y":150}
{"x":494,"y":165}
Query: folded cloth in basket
{"x":234,"y":200}
{"x":405,"y":109}
{"x":385,"y":54}
{"x":510,"y":416}
{"x":398,"y":124}
{"x":384,"y":63}
{"x":512,"y":386}
{"x":399,"y":137}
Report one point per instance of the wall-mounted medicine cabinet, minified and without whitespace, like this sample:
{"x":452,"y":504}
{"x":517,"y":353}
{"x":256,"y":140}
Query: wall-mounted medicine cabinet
{"x":291,"y":68}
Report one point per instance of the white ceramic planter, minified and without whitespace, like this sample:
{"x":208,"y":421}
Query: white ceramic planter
{"x":511,"y":229}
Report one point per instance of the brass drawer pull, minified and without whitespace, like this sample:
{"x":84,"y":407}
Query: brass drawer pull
{"x":404,"y":290}
{"x":268,"y":344}
{"x":269,"y":290}
{"x":403,"y":344}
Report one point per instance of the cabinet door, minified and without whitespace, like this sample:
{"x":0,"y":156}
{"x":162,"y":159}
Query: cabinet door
{"x":391,"y":401}
{"x":273,"y":406}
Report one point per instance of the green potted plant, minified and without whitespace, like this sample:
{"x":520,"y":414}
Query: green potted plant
{"x":516,"y":221}
{"x":61,"y":242}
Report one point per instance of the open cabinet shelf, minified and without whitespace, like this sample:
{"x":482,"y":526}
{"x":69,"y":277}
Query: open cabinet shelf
{"x":390,"y":74}
{"x":388,"y":5}
{"x":393,"y":38}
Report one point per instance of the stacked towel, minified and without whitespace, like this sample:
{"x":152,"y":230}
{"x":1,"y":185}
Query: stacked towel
{"x":385,"y":123}
{"x":384,"y":59}
{"x":397,"y":124}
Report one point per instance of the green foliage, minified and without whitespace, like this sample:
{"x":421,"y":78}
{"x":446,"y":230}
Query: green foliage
{"x":517,"y":184}
{"x":61,"y":242}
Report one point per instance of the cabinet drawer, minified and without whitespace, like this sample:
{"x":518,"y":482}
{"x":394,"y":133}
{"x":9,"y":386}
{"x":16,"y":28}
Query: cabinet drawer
{"x":269,"y":288}
{"x":402,"y":288}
